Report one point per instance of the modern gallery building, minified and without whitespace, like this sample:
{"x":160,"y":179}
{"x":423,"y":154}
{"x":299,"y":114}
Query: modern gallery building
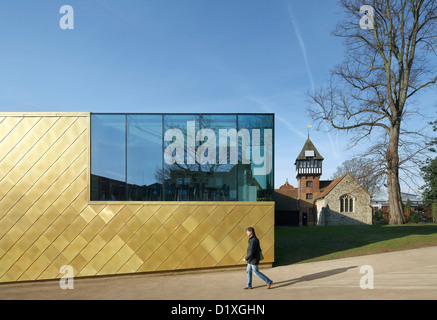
{"x":109,"y":194}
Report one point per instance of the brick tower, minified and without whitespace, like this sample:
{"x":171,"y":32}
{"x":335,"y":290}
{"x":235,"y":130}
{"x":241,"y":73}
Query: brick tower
{"x":308,"y":171}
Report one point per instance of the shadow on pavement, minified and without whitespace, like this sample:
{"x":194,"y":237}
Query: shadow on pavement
{"x":310,"y":277}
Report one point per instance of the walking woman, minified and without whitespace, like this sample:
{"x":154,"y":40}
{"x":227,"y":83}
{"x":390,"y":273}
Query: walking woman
{"x":253,"y":258}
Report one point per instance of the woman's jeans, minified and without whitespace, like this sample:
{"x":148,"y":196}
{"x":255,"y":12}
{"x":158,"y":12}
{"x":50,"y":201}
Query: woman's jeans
{"x":255,"y":269}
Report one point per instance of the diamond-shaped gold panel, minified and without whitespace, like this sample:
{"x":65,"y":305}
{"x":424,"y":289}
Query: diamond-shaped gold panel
{"x":47,"y":220}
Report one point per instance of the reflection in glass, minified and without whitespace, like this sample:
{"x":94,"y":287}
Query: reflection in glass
{"x":255,"y":180}
{"x":181,"y":171}
{"x":182,"y":157}
{"x":108,"y":157}
{"x":220,"y":173}
{"x":144,"y":157}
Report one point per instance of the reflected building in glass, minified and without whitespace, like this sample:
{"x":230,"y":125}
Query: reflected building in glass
{"x":182,"y":157}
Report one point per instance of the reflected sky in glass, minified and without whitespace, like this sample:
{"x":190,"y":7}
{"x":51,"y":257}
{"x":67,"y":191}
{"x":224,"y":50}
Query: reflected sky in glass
{"x":127,"y":151}
{"x":108,"y":146}
{"x":144,"y":148}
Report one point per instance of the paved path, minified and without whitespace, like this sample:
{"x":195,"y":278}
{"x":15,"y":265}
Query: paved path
{"x":409,"y":274}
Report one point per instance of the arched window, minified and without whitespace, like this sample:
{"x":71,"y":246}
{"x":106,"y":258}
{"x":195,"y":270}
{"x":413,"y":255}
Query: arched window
{"x":346,"y":204}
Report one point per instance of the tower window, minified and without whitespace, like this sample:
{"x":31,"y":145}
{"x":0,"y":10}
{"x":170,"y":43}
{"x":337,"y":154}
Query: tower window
{"x":309,"y":153}
{"x":309,"y":196}
{"x":309,"y":184}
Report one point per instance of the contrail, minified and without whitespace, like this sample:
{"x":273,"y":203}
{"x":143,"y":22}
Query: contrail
{"x":301,"y":44}
{"x":307,"y":65}
{"x":266,"y":107}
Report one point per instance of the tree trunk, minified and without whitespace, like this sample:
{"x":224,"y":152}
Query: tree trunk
{"x":394,"y":190}
{"x":434,"y":211}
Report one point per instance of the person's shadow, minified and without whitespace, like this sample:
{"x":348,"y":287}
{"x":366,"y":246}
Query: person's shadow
{"x":310,"y":277}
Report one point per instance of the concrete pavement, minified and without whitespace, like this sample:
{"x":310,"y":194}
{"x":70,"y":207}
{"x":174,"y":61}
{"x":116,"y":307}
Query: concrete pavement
{"x":409,"y":274}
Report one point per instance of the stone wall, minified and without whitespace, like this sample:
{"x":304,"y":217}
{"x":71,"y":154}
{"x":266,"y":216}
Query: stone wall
{"x":328,"y":208}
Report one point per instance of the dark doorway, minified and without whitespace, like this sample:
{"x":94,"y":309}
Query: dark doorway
{"x":287,"y":218}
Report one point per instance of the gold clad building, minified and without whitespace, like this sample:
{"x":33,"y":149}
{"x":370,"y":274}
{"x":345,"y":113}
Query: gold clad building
{"x":110,"y":194}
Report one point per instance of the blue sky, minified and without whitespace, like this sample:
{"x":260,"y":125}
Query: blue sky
{"x":207,"y":56}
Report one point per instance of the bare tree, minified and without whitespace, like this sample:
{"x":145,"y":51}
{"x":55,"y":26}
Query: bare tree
{"x":387,"y":62}
{"x":364,"y":171}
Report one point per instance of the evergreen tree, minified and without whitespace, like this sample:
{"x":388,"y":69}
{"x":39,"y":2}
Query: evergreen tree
{"x":429,"y":174}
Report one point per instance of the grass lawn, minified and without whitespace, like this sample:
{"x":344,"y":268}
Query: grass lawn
{"x":304,"y":244}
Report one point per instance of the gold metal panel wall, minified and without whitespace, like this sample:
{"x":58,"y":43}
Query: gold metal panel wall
{"x":47,"y":220}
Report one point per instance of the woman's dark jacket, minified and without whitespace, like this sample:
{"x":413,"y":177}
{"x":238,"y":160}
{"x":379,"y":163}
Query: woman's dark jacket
{"x":253,"y":251}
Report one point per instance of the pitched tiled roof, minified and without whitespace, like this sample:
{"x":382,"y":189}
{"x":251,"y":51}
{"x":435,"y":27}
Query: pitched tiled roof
{"x":286,"y":200}
{"x":309,"y":146}
{"x":330,"y":187}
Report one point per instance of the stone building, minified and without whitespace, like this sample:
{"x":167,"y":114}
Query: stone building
{"x":342,"y":202}
{"x":321,"y":202}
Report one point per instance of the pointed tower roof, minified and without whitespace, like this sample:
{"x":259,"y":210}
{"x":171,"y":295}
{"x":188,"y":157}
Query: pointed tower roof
{"x":309,"y":146}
